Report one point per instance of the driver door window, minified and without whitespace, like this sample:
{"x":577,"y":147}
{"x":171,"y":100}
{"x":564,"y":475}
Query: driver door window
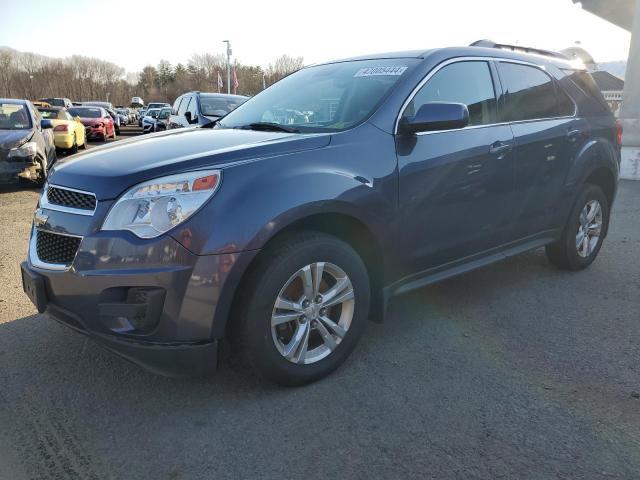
{"x":193,"y":108}
{"x":462,"y":82}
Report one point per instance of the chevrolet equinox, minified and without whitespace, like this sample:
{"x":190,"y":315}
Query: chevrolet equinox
{"x":291,"y":221}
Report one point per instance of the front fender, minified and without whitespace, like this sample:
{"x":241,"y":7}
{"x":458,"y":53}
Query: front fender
{"x":257,"y":199}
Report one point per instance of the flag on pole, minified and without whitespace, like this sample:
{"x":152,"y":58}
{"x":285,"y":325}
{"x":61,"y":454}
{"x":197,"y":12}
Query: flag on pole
{"x":235,"y":82}
{"x":220,"y":84}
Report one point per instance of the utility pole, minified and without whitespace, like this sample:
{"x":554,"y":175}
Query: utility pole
{"x":228,"y":65}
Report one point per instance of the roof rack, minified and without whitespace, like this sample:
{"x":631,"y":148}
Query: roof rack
{"x":518,"y":48}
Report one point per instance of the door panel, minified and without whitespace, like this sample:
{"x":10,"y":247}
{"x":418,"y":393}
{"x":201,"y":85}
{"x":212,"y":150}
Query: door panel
{"x":455,"y":195}
{"x":543,"y":155}
{"x":546,"y":135}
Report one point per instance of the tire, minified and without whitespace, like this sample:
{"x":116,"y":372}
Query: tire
{"x":43,"y":172}
{"x":74,"y":148}
{"x":264,"y":346}
{"x":572,"y":251}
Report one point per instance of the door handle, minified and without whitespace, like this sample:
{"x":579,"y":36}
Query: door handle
{"x":499,"y":148}
{"x":573,"y":135}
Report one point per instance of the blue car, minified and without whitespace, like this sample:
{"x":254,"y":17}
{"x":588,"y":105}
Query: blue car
{"x":293,"y":220}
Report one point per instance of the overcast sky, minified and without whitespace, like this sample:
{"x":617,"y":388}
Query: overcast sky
{"x":137,"y":33}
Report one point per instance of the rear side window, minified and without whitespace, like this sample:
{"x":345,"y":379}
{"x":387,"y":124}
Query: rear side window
{"x":462,"y":82}
{"x":584,"y":81}
{"x":531,"y":94}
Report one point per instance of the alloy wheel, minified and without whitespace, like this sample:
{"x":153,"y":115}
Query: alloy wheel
{"x":589,"y":228}
{"x":312,"y":313}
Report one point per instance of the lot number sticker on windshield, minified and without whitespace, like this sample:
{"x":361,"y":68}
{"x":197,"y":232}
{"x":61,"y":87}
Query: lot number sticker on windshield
{"x":375,"y":71}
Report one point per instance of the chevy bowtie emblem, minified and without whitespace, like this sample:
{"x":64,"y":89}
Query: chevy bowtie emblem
{"x":39,"y":219}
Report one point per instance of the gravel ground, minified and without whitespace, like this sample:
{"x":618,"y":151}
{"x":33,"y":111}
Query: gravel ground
{"x":517,"y":370}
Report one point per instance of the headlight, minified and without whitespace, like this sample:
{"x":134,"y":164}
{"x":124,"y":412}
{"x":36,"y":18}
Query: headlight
{"x":152,"y":208}
{"x":28,"y":149}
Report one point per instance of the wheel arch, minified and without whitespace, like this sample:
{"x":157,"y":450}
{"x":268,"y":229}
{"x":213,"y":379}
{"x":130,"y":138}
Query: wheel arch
{"x":343,"y":226}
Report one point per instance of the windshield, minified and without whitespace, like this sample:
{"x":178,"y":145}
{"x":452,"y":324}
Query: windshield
{"x":54,"y":102}
{"x":330,"y":97}
{"x":14,"y":117}
{"x":157,"y":105}
{"x":218,"y":106}
{"x":48,"y":113}
{"x":152,"y":112}
{"x":164,"y":113}
{"x":85,"y":112}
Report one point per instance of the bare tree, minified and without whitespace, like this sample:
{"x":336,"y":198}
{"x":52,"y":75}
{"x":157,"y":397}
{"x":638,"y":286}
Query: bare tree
{"x":33,"y":76}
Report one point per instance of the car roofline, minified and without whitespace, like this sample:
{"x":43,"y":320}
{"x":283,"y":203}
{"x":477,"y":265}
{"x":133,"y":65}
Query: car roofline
{"x":467,"y":51}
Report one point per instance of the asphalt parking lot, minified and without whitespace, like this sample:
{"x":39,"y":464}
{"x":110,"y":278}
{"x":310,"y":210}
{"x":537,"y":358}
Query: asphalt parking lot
{"x":517,"y":370}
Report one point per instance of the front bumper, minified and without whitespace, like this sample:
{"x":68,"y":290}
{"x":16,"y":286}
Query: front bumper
{"x":10,"y":170}
{"x":92,"y":296}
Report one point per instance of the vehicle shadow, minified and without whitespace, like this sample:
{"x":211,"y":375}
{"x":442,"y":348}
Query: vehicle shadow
{"x":447,"y":356}
{"x":19,"y":187}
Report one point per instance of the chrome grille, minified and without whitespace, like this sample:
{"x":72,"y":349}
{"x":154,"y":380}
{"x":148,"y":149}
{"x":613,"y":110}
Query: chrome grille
{"x":71,"y":198}
{"x":55,"y":248}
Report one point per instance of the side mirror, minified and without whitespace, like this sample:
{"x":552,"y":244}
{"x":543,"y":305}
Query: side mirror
{"x":187,"y":115}
{"x":436,"y":116}
{"x":44,"y":123}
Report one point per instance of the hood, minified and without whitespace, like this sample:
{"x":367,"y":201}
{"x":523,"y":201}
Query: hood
{"x":109,"y":170}
{"x":13,"y":138}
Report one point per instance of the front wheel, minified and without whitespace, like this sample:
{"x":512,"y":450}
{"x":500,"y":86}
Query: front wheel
{"x":304,"y":308}
{"x":584,"y":233}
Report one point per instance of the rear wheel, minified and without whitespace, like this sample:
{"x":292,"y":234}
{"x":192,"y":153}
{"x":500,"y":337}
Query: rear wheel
{"x":304,"y":308}
{"x":74,"y":148}
{"x":584,"y":233}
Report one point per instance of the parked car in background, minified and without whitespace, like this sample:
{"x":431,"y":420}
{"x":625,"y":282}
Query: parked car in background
{"x":116,"y":119}
{"x":158,"y":105}
{"x":97,"y":120}
{"x":149,"y":120}
{"x":199,"y":108}
{"x":123,"y":114}
{"x":38,"y":103}
{"x":162,"y":121}
{"x":27,"y":149}
{"x":141,"y":113}
{"x":136,"y":102}
{"x":68,"y":132}
{"x":105,"y":105}
{"x":58,"y":102}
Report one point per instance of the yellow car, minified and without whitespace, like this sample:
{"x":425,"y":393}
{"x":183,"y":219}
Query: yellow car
{"x":38,"y":103}
{"x":68,"y":132}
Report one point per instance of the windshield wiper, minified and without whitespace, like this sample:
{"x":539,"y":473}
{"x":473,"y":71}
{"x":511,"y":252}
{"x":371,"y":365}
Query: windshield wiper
{"x":268,"y":126}
{"x":211,"y":124}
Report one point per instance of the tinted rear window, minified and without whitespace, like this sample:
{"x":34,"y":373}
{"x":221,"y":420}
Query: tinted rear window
{"x":585,"y":82}
{"x":530,"y":93}
{"x":86,"y":112}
